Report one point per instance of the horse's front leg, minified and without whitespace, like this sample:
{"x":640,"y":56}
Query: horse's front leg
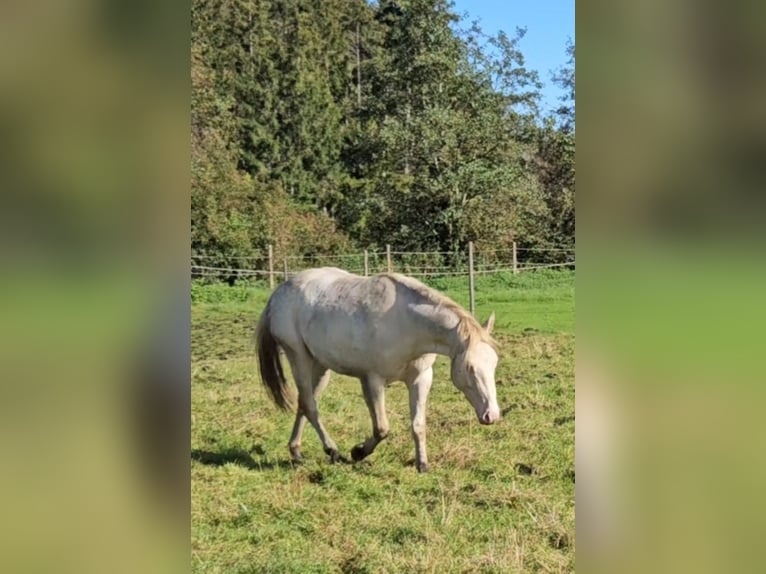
{"x":419,"y":388}
{"x":373,"y":388}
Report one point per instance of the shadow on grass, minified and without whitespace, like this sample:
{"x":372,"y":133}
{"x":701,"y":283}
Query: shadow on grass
{"x":239,"y":457}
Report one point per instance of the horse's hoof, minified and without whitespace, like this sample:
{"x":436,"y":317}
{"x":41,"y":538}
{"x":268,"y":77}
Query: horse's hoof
{"x":422,"y":467}
{"x":358,"y":453}
{"x":295,"y":454}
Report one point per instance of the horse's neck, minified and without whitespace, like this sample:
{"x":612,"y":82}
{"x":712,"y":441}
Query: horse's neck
{"x":440,"y":325}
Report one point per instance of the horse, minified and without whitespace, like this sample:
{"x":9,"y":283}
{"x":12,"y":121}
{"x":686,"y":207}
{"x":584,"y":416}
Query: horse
{"x":379,"y":329}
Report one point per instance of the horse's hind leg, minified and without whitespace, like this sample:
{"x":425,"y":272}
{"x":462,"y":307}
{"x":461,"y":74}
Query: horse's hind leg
{"x":373,"y":388}
{"x":301,"y":420}
{"x":308,"y":375}
{"x":295,"y":438}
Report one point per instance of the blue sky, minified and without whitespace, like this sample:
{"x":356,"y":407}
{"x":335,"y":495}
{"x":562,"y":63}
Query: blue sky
{"x":549,"y":24}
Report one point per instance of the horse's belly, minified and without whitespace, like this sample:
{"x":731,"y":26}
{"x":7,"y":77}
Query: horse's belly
{"x":355,"y":354}
{"x":346,"y":357}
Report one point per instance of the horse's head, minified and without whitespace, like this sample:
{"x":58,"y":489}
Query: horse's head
{"x":473,"y":372}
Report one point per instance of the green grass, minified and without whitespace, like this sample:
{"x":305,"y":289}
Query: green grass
{"x":498,"y":499}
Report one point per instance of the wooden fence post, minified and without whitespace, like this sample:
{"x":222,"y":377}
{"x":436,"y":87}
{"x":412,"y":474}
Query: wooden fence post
{"x":471,"y":294}
{"x":388,"y":258}
{"x":366,"y":263}
{"x":271,"y":267}
{"x":286,"y":277}
{"x":515,"y":261}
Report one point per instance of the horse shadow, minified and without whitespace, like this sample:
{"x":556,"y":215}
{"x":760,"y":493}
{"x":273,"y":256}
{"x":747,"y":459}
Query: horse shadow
{"x":240,"y":457}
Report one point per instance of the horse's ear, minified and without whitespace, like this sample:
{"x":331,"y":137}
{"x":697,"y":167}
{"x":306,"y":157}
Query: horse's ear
{"x":490,"y":324}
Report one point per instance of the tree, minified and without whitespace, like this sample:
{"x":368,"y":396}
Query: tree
{"x":565,"y":78}
{"x":554,"y":160}
{"x":443,"y":130}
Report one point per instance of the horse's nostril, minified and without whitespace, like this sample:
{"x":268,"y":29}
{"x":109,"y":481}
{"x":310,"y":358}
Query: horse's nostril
{"x":486,"y":418}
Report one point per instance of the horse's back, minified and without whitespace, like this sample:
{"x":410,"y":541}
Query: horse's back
{"x":331,"y":290}
{"x":348,"y":323}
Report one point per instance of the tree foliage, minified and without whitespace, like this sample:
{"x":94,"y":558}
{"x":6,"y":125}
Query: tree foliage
{"x":319,"y":124}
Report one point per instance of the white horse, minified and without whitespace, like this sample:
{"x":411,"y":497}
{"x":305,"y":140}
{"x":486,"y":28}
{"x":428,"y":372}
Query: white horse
{"x":379,"y":329}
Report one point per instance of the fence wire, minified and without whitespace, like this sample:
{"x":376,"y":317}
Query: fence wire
{"x":423,"y":264}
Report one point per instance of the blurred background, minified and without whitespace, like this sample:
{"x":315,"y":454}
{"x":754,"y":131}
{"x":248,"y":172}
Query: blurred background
{"x":94,"y":300}
{"x":669,"y":365}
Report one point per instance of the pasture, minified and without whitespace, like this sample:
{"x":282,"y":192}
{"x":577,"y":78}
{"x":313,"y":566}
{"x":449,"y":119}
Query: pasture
{"x":497,"y":499}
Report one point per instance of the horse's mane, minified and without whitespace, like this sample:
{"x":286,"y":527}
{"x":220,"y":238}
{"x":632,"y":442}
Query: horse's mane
{"x":468,"y":327}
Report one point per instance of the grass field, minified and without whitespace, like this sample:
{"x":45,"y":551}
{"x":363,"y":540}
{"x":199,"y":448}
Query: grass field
{"x":497,"y":499}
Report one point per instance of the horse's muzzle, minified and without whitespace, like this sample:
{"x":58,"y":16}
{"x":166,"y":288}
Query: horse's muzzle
{"x":489,"y":417}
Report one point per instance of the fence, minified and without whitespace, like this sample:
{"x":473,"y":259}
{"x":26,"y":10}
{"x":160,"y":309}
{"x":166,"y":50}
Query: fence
{"x":269,"y":267}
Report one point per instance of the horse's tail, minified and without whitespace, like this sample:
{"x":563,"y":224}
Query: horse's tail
{"x":270,"y":366}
